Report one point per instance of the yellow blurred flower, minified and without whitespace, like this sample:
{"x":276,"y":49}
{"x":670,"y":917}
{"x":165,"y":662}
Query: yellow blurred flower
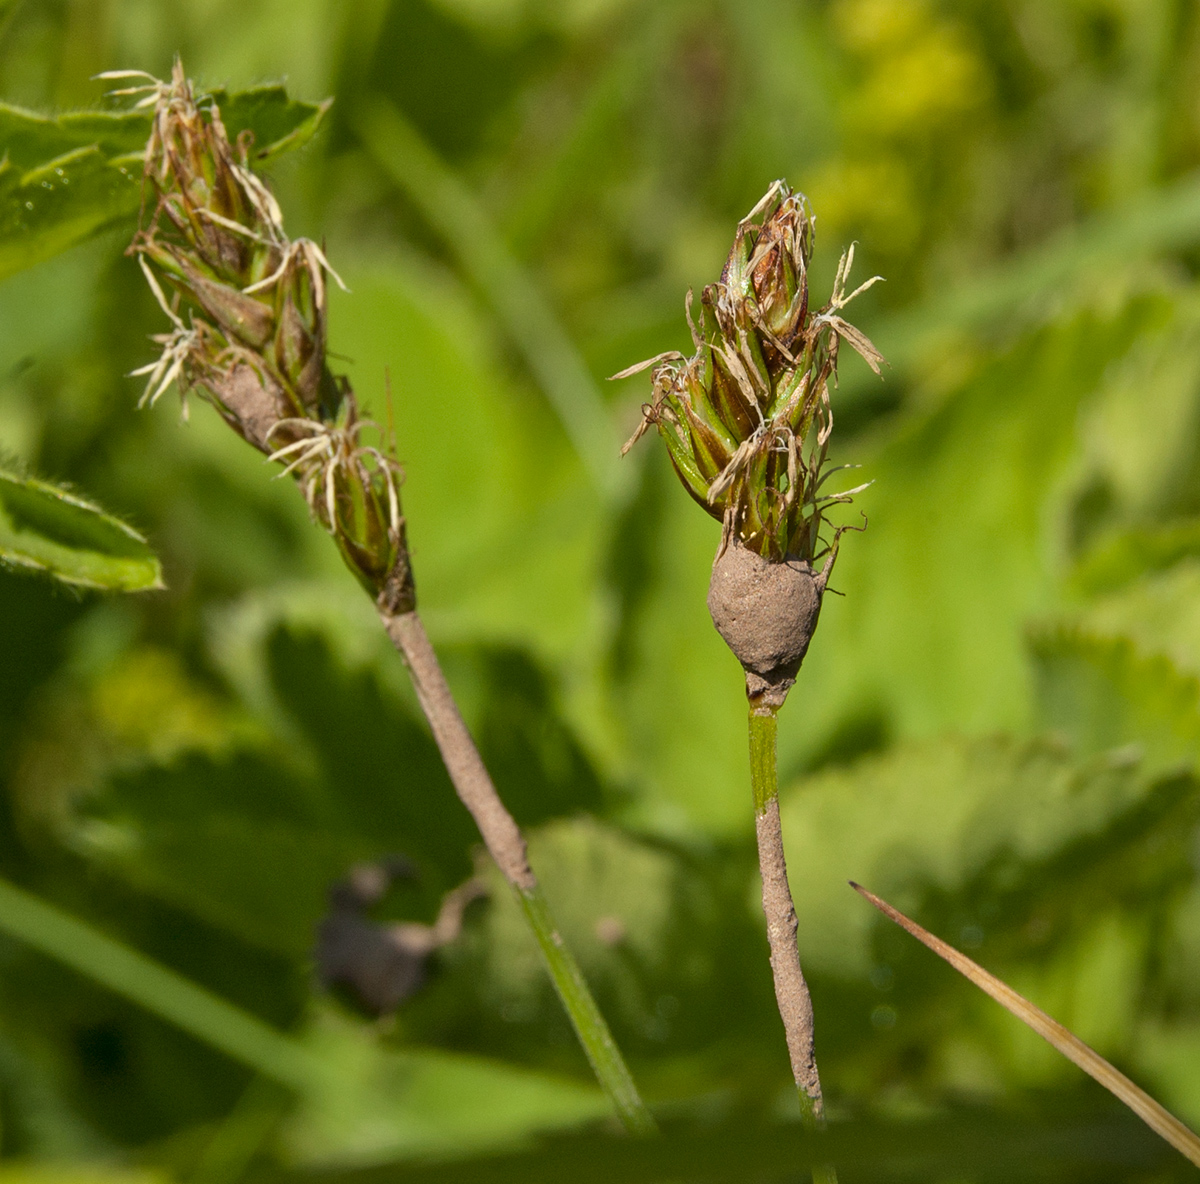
{"x":920,"y":71}
{"x":869,"y":198}
{"x":871,"y":26}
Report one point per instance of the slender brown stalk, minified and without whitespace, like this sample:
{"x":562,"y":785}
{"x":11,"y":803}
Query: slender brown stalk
{"x":506,"y":845}
{"x":747,"y":421}
{"x":254,"y":346}
{"x":501,"y":835}
{"x":791,"y":991}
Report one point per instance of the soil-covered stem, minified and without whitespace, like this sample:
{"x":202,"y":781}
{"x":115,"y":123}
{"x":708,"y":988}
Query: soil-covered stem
{"x":791,"y":991}
{"x":506,"y":845}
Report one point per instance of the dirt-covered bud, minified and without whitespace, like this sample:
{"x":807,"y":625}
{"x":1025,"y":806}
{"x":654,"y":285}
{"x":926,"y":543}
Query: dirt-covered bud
{"x":767,"y":613}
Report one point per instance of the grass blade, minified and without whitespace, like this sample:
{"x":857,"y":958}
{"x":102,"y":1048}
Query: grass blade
{"x":1160,"y":221}
{"x":1155,"y":1116}
{"x":167,"y":994}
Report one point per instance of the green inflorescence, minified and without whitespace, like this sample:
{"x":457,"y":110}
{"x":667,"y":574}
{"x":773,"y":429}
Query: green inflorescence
{"x":747,"y":418}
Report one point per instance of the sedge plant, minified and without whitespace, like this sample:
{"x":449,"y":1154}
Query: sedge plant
{"x":747,"y":423}
{"x":248,"y":322}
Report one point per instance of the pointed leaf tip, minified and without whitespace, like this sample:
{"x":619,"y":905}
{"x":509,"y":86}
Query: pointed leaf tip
{"x":1153,"y":1114}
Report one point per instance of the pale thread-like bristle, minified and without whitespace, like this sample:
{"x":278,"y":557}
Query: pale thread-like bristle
{"x":1153,"y":1114}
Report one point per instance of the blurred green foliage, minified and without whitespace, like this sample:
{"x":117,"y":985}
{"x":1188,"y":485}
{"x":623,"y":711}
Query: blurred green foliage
{"x":46,"y":528}
{"x":998,"y":727}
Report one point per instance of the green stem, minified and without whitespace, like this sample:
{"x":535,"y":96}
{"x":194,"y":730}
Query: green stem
{"x":590,"y":1026}
{"x":764,"y":777}
{"x":791,"y":991}
{"x":457,"y":215}
{"x":506,"y":845}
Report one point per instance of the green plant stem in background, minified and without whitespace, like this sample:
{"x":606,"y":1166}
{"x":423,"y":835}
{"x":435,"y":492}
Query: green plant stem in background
{"x":506,"y":845}
{"x":158,"y":989}
{"x":590,"y":1026}
{"x":452,"y":210}
{"x":764,"y":779}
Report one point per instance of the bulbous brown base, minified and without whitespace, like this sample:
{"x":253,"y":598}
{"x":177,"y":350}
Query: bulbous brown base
{"x":767,"y":613}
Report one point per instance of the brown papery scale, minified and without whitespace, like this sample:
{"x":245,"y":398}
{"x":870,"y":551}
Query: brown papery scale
{"x":767,"y":613}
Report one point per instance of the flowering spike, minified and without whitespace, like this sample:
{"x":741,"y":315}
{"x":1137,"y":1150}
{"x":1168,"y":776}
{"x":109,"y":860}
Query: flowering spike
{"x":255,"y":345}
{"x":747,"y":422}
{"x":755,"y":394}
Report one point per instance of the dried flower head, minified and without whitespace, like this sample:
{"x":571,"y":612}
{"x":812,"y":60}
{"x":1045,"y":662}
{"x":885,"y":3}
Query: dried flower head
{"x":747,"y":418}
{"x":253,"y":341}
{"x":215,"y":233}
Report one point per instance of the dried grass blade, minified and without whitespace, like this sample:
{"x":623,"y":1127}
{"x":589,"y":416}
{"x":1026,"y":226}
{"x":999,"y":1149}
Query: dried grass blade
{"x":1155,"y":1116}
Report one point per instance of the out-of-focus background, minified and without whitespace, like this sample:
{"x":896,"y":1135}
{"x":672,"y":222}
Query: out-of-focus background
{"x":998,"y":726}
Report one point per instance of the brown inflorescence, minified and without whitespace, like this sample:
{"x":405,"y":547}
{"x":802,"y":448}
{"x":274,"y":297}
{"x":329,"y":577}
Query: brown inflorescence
{"x":249,"y":318}
{"x":747,"y":418}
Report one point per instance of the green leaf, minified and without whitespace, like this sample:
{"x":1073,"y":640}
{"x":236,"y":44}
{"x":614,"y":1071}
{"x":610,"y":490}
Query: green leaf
{"x":32,"y":139}
{"x":1133,"y":493}
{"x":964,"y":541}
{"x":371,"y":1103}
{"x":45,"y":528}
{"x":929,"y":815}
{"x":1125,"y":668}
{"x":1104,"y":692}
{"x":278,"y":123}
{"x":1120,"y":556}
{"x":251,"y":846}
{"x":65,"y":178}
{"x":1155,"y":222}
{"x":1067,"y":929}
{"x":263,"y":879}
{"x":664,"y":940}
{"x":62,"y":201}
